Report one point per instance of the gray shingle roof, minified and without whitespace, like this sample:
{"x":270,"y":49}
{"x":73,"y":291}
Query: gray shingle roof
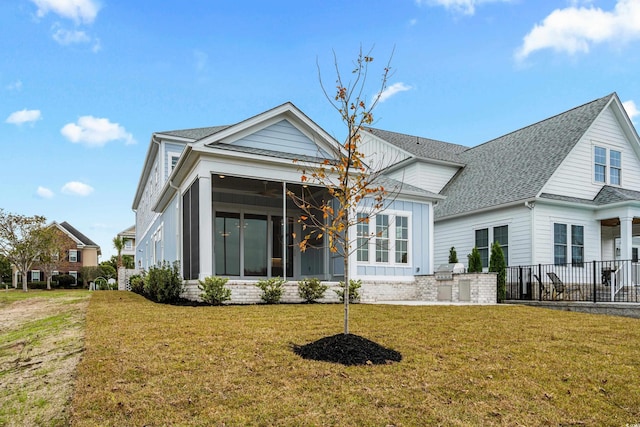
{"x":422,"y":148}
{"x":516,"y":166}
{"x":196,"y":133}
{"x":78,"y":235}
{"x":608,"y":195}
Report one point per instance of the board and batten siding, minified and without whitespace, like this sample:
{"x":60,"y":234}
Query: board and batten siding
{"x":428,"y":176}
{"x":282,"y":137}
{"x":460,"y":233}
{"x":546,"y":215}
{"x":379,"y":154}
{"x":575,"y":176}
{"x":419,"y":250}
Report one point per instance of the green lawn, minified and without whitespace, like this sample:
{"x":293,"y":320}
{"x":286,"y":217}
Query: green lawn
{"x":151,"y":364}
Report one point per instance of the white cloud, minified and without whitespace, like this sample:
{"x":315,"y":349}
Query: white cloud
{"x":466,"y":7}
{"x":631,"y":109}
{"x":67,"y":37}
{"x":44,"y":193}
{"x":17,"y":85}
{"x":24,"y":116}
{"x":95,"y":132}
{"x":76,"y":188}
{"x":575,"y":29}
{"x":392,"y":90}
{"x":80,"y":11}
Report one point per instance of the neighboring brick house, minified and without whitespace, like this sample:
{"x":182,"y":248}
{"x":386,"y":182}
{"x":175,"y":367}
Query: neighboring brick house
{"x":76,"y":251}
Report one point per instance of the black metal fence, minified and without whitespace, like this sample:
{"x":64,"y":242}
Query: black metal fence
{"x":596,"y":281}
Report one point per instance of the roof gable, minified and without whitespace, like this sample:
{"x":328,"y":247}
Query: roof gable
{"x":421,"y":148}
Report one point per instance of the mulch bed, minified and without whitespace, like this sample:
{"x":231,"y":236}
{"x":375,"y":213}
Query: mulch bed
{"x":349,"y":350}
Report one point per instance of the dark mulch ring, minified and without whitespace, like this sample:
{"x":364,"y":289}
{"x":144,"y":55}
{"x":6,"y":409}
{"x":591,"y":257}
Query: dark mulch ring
{"x":347,"y":349}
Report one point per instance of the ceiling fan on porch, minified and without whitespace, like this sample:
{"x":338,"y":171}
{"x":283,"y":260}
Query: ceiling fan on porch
{"x":269,"y":192}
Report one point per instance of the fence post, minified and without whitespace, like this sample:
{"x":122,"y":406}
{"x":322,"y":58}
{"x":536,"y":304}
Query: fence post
{"x":540,"y":282}
{"x":595,"y":282}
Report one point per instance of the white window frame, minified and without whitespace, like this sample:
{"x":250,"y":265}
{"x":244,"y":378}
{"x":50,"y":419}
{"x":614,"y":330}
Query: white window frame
{"x":569,"y":244}
{"x":34,"y":272}
{"x":170,"y":156}
{"x":391,"y":238}
{"x":128,"y":244}
{"x":608,"y":167}
{"x":74,"y":274}
{"x":75,"y":255}
{"x":490,"y":227}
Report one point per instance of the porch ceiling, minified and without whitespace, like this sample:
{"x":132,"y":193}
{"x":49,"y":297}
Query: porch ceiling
{"x":258,"y":187}
{"x":614,"y":222}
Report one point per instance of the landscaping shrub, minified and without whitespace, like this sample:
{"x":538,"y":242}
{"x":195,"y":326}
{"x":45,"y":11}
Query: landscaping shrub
{"x":312,"y":289}
{"x":354,"y":295}
{"x":64,"y":280}
{"x":453,"y":256}
{"x":137,"y":284}
{"x":214,"y":291}
{"x":475,"y":261}
{"x":271,"y":289}
{"x":163,"y":284}
{"x":497,"y":264}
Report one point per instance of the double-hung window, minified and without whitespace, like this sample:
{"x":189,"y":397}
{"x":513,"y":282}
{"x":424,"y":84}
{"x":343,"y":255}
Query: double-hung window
{"x":383,"y":239}
{"x":615,"y":167}
{"x":499,"y":234}
{"x":482,"y":243}
{"x":607,"y":166}
{"x":73,"y":255}
{"x":567,"y":237}
{"x":363,"y":238}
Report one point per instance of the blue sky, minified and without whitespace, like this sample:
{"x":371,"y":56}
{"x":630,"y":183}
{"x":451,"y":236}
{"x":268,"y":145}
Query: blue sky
{"x":84,"y":83}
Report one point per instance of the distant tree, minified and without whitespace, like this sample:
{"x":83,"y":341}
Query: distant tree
{"x":5,"y":269}
{"x":113,"y":262}
{"x":21,"y":241}
{"x":90,"y":274}
{"x":118,"y":244}
{"x":498,"y":265}
{"x":475,"y":261}
{"x":107,"y":271}
{"x":351,"y":182}
{"x":128,"y":261}
{"x":50,"y":256}
{"x":453,"y":256}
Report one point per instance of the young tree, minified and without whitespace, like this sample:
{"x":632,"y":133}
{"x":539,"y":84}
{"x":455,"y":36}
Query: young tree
{"x":355,"y":190}
{"x":475,"y":261}
{"x":497,"y":264}
{"x":453,"y":256}
{"x":49,"y":259}
{"x":118,"y":244}
{"x":21,"y":241}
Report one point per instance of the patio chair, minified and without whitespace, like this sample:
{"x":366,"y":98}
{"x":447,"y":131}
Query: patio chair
{"x":545,"y":292}
{"x":559,"y":288}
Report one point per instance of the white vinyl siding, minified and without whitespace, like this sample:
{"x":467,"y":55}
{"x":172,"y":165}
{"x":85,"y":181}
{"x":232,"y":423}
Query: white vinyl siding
{"x":460,"y":233}
{"x":428,"y":176}
{"x":380,"y":154}
{"x":575,"y":176}
{"x":548,"y":215}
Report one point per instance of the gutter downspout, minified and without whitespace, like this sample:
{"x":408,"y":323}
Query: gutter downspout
{"x":531,"y":205}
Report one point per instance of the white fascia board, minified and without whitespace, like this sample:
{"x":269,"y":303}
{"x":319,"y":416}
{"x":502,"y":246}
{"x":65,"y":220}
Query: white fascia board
{"x":152,"y":151}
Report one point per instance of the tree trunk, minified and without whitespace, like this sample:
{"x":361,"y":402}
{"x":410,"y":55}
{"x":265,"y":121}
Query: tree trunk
{"x":24,"y":280}
{"x":346,"y":293}
{"x":49,"y":282}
